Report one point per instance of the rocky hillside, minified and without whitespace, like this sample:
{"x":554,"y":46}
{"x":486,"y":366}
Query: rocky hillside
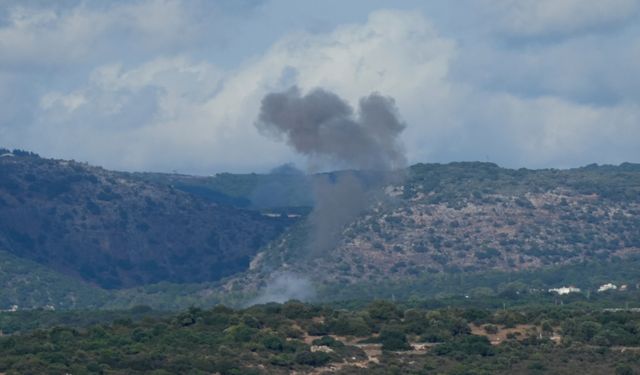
{"x":473,"y":217}
{"x":172,"y":240}
{"x":117,"y":230}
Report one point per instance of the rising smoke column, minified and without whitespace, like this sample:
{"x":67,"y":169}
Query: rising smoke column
{"x":325,"y":128}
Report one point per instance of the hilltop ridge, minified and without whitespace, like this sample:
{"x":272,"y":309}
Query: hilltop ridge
{"x":115,"y":230}
{"x":172,"y":240}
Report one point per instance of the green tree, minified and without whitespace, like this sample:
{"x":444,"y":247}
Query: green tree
{"x":393,"y":338}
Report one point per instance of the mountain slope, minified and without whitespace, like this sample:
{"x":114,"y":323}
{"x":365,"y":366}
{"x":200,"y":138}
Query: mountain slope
{"x":26,"y":285}
{"x":283,"y":187}
{"x":172,"y":240}
{"x":472,"y":217}
{"x":115,"y":230}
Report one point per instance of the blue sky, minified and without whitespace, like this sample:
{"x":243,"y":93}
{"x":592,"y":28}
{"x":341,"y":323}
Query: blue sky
{"x":176,"y":85}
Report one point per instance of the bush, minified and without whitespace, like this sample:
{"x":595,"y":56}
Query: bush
{"x":624,"y":370}
{"x":314,"y":359}
{"x":491,"y":329}
{"x":296,"y":310}
{"x":274,"y":343}
{"x":435,"y":335}
{"x":282,"y":360}
{"x":317,"y":329}
{"x":328,"y":341}
{"x":355,"y":326}
{"x":393,"y":338}
{"x":241,"y":333}
{"x":536,"y":366}
{"x":469,"y":345}
{"x":383,"y":311}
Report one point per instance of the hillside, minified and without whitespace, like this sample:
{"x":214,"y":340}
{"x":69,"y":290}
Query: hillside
{"x":27,"y":284}
{"x":115,"y":230}
{"x":471,"y":218}
{"x":171,"y":241}
{"x":284,"y":187}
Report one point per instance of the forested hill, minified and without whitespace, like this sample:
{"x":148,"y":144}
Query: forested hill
{"x":452,"y":182}
{"x":205,"y":238}
{"x":115,"y":230}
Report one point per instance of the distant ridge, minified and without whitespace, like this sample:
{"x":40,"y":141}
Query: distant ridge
{"x":116,"y":230}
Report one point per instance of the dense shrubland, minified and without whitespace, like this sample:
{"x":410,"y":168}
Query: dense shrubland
{"x":380,"y":338}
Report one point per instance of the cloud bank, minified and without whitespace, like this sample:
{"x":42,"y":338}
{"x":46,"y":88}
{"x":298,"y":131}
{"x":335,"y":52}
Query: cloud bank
{"x":176,"y":85}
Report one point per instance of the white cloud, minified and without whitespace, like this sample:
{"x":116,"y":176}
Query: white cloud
{"x":134,"y":119}
{"x":528,"y":106}
{"x":43,"y":36}
{"x":395,"y":53}
{"x":549,"y":131}
{"x":70,"y":101}
{"x":557,"y":17}
{"x":205,"y":120}
{"x":593,"y":68}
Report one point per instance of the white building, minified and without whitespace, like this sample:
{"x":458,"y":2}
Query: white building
{"x":565,"y":290}
{"x":605,"y":287}
{"x":13,"y":308}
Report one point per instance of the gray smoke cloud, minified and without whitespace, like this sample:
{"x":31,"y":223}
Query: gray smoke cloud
{"x":326,"y":129}
{"x":283,"y":287}
{"x":339,"y":199}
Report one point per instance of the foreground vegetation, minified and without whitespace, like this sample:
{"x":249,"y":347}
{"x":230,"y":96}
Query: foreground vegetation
{"x":379,"y":338}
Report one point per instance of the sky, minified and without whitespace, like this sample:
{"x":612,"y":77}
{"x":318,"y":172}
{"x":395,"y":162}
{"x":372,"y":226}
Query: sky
{"x":176,"y":85}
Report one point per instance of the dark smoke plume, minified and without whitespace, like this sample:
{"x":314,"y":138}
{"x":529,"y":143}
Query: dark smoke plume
{"x":325,"y":128}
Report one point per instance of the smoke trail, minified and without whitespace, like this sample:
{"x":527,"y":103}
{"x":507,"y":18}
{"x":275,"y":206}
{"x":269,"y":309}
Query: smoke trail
{"x":325,"y":128}
{"x":283,"y":287}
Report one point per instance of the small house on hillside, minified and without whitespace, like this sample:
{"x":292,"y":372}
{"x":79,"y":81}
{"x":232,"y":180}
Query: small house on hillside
{"x":605,"y":287}
{"x":565,"y":290}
